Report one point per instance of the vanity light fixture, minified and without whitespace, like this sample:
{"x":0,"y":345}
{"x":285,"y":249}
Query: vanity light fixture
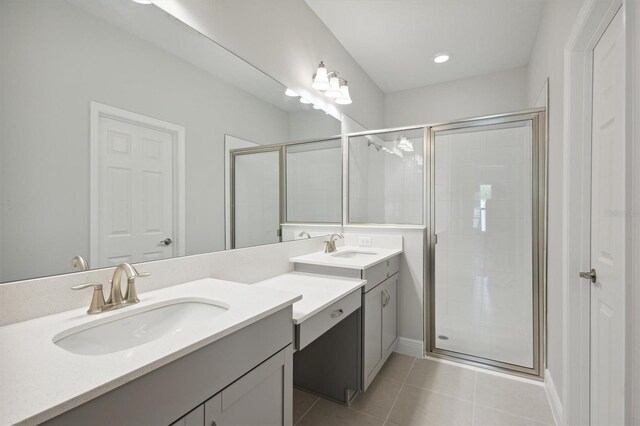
{"x":334,"y":87}
{"x":291,"y":93}
{"x":305,"y":101}
{"x":344,"y":99}
{"x":321,"y":78}
{"x":441,"y":58}
{"x":331,"y":85}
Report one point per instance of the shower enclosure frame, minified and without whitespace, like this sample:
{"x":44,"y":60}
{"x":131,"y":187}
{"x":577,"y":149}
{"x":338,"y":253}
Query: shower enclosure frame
{"x":539,"y":170}
{"x":281,"y":148}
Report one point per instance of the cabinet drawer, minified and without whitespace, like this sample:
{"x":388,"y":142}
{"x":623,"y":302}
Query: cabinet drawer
{"x":312,"y":328}
{"x":380,"y":272}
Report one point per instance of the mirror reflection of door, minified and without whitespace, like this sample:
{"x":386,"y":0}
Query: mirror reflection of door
{"x":256,"y":193}
{"x":134,"y":184}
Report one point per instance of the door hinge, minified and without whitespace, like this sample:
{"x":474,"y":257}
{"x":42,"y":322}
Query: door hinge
{"x":279,"y":232}
{"x":435,"y":238}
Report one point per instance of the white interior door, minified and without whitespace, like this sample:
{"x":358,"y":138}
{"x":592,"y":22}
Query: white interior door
{"x":135,"y":192}
{"x":608,"y":208}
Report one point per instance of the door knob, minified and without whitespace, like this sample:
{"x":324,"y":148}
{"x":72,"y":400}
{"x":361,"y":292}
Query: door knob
{"x":167,"y":241}
{"x":591,"y":275}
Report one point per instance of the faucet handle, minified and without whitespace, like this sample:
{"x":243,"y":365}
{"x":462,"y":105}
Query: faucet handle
{"x":96,"y":286}
{"x":97,"y":300}
{"x":131,"y":295}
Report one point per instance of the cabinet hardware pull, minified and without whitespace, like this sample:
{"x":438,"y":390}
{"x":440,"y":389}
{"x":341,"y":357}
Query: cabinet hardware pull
{"x":386,"y":297}
{"x":337,"y":313}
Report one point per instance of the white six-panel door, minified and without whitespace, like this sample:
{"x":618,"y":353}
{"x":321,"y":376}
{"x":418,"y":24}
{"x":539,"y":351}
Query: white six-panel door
{"x":135,"y":184}
{"x":608,"y":229}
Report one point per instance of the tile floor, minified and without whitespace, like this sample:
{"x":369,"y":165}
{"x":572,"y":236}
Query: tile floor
{"x":410,"y":391}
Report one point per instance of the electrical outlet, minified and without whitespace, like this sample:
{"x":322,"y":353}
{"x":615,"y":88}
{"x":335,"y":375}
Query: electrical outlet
{"x":364,"y":241}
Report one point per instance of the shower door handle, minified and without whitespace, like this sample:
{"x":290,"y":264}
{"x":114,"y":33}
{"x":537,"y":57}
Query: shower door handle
{"x":591,"y":275}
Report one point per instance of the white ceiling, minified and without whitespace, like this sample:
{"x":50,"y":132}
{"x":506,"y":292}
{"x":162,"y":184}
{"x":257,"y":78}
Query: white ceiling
{"x":394,"y":41}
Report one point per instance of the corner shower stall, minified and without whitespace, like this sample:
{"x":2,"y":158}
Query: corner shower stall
{"x":477,"y":186}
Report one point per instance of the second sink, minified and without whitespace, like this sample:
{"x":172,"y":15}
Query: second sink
{"x":351,"y":254}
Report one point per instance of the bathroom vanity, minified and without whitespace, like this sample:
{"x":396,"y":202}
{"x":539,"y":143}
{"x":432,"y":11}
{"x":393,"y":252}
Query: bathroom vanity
{"x":380,"y":267}
{"x":327,"y":329}
{"x":234,"y":367}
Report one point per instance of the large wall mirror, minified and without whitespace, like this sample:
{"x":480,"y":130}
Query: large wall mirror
{"x":117,"y":124}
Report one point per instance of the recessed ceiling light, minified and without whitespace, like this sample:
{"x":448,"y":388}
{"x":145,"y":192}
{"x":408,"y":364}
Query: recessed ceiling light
{"x":441,"y":58}
{"x":291,"y":93}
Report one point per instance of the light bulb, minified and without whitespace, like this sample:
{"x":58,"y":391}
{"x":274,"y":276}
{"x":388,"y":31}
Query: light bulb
{"x":321,"y":79}
{"x":344,"y":98}
{"x":334,"y":91}
{"x":305,"y":101}
{"x":291,"y":93}
{"x":142,"y":1}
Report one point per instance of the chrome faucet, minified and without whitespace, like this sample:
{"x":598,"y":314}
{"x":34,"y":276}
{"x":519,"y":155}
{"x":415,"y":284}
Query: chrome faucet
{"x":330,"y":245}
{"x":115,"y":300}
{"x":304,"y":234}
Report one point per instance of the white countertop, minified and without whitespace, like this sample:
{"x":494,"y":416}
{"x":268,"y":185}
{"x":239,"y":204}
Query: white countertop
{"x":329,"y":259}
{"x":39,"y":380}
{"x":318,"y":291}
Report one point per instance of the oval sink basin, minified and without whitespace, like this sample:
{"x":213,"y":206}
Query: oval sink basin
{"x":137,"y":327}
{"x":351,"y":254}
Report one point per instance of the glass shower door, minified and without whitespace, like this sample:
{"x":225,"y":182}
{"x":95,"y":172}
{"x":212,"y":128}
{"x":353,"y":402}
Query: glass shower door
{"x":484,"y":258}
{"x":256,"y":197}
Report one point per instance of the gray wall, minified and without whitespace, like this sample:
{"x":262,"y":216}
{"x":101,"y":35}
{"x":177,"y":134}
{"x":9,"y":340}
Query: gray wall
{"x":547,"y":60}
{"x":309,"y":124}
{"x":45,"y":136}
{"x":499,"y":92}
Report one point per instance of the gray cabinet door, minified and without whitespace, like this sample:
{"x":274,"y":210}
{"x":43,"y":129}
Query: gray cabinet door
{"x":259,"y":398}
{"x":372,"y":335}
{"x":389,"y":314}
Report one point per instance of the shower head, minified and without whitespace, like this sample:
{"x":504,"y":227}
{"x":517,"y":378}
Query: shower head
{"x":378,"y":147}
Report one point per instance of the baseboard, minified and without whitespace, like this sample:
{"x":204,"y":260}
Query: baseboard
{"x":410,"y":347}
{"x":552,"y":396}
